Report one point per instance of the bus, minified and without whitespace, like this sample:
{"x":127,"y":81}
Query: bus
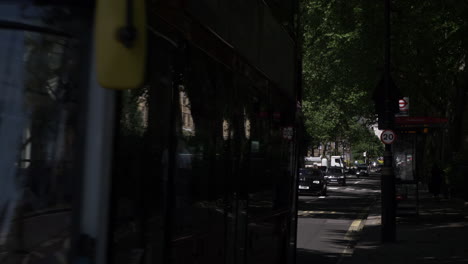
{"x":148,"y":131}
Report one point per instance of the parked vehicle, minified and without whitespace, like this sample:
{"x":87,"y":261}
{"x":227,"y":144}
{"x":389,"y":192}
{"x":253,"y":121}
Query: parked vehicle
{"x":362,"y":170}
{"x":337,"y":161}
{"x":336,"y":175}
{"x":312,"y":181}
{"x":352,"y":170}
{"x":323,"y":169}
{"x":310,"y":162}
{"x":379,"y":168}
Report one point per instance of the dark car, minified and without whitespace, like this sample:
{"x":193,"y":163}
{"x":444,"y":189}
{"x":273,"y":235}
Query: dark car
{"x":379,"y":168}
{"x":362,"y":171}
{"x":336,"y":175}
{"x":312,"y":181}
{"x":351,"y":171}
{"x":323,"y":169}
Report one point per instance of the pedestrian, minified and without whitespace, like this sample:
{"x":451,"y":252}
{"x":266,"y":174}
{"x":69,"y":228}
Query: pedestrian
{"x":436,"y":180}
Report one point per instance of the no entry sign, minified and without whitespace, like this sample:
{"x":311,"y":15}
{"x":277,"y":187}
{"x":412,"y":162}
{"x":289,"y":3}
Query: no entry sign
{"x":387,"y":136}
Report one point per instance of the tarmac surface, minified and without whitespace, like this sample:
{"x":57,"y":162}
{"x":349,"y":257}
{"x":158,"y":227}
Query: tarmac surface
{"x":345,"y":227}
{"x":327,"y":224}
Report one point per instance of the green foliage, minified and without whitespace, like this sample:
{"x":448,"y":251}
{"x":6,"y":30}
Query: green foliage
{"x":430,"y":47}
{"x":340,"y":68}
{"x":365,"y":140}
{"x":343,"y":61}
{"x":430,"y":43}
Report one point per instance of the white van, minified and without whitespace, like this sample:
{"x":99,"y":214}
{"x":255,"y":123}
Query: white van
{"x":337,"y":161}
{"x":309,"y":162}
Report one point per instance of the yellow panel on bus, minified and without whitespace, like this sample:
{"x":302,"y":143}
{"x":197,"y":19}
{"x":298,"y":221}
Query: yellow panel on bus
{"x":120,"y":40}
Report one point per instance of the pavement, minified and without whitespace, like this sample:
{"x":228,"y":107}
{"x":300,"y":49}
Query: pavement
{"x":436,"y":233}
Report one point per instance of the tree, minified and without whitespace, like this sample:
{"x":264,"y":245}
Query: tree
{"x":339,"y":67}
{"x":343,"y":62}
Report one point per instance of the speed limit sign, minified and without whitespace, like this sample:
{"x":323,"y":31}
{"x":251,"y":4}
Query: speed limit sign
{"x":388,"y":136}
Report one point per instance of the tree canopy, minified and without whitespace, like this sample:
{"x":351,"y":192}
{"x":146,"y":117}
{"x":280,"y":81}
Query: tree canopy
{"x":343,"y":62}
{"x":341,"y":66}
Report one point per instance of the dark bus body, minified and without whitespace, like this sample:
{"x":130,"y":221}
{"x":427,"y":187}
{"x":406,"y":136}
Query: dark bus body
{"x":193,"y":166}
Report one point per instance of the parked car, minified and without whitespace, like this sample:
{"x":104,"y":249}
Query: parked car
{"x":362,"y":170}
{"x":351,"y":171}
{"x":336,"y":175}
{"x":312,"y":181}
{"x":323,"y":169}
{"x":379,"y":168}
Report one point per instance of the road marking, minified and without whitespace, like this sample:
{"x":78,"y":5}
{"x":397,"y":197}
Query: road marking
{"x":356,"y":226}
{"x":333,"y":188}
{"x":303,"y":213}
{"x":357,"y":182}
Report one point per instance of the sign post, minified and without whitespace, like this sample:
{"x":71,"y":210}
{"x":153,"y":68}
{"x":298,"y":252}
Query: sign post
{"x":388,"y":227}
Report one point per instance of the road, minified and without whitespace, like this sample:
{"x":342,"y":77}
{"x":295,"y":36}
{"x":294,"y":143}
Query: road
{"x":328,"y":225}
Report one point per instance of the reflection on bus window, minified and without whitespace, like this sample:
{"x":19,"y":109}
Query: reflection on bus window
{"x":38,"y":139}
{"x":188,"y":127}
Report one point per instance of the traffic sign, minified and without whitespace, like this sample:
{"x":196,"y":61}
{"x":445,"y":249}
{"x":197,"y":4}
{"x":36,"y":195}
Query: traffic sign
{"x":403,"y":104}
{"x":387,"y":137}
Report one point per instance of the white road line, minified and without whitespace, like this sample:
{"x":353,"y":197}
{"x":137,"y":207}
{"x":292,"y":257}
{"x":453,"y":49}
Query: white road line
{"x":357,"y":182}
{"x":303,"y":213}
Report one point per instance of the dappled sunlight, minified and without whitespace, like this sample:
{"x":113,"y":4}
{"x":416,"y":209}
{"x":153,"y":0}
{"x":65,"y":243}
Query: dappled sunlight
{"x":438,"y":234}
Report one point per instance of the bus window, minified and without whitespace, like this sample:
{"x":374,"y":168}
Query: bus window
{"x":39,"y":133}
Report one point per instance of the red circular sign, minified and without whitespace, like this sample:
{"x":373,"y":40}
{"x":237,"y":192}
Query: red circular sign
{"x":387,"y":136}
{"x":402,"y":103}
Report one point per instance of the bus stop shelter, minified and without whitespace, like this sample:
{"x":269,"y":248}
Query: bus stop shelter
{"x":408,"y":159}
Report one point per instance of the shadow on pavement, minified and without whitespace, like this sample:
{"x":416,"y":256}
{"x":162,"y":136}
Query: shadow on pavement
{"x":438,"y":235}
{"x":304,"y":256}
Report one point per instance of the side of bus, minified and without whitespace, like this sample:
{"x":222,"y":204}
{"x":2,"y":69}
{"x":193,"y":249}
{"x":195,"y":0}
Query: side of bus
{"x":195,"y":165}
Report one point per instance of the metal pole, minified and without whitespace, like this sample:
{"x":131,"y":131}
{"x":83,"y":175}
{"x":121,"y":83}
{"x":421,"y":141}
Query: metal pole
{"x":388,"y":178}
